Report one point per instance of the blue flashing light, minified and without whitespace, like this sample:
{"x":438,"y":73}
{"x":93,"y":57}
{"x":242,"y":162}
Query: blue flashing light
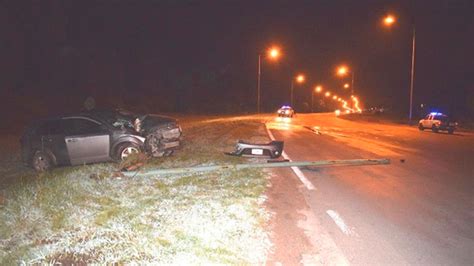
{"x":435,"y":113}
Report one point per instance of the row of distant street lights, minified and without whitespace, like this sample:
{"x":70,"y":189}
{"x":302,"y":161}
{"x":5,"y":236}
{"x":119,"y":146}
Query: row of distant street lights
{"x":274,"y":53}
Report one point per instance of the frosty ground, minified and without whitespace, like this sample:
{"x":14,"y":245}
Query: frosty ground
{"x":65,"y":216}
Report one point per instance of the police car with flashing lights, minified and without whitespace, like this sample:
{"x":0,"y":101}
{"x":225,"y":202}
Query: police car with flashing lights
{"x":436,"y":122}
{"x":286,"y":111}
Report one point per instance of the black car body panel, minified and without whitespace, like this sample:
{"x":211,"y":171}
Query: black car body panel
{"x":273,"y":149}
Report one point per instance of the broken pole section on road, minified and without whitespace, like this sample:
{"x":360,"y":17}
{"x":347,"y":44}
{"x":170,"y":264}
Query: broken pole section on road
{"x":197,"y":169}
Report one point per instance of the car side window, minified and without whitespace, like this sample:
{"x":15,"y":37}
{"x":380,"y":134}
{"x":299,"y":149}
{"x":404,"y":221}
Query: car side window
{"x":78,"y":126}
{"x":427,"y":117}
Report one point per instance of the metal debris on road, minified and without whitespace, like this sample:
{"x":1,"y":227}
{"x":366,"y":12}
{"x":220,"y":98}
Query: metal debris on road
{"x":272,"y":149}
{"x":197,"y":169}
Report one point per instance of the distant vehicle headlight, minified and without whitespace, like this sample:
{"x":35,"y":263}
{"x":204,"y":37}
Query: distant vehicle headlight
{"x":287,"y":111}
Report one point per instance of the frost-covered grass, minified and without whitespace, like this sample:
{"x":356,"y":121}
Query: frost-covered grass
{"x":213,"y":218}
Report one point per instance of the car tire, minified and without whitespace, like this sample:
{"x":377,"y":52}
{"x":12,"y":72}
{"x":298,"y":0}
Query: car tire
{"x":451,"y":131}
{"x":434,"y":129}
{"x":42,"y":161}
{"x":420,"y":127}
{"x":126,"y":149}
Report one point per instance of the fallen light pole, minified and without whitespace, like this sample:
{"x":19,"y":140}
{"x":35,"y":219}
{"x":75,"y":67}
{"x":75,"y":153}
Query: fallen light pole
{"x":197,"y":169}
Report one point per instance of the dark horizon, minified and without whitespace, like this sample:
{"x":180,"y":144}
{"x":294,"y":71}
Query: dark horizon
{"x":201,"y":56}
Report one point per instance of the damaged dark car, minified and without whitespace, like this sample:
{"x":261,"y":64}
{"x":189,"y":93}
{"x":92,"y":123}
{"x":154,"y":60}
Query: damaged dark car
{"x":97,"y":136}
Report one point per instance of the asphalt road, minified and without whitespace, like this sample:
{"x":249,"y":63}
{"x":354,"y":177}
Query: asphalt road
{"x":419,"y":210}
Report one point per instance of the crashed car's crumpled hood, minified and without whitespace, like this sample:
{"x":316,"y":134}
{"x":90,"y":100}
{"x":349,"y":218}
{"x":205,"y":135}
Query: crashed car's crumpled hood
{"x":150,"y":121}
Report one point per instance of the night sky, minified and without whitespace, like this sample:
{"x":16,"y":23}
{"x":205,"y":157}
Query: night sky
{"x":201,"y":56}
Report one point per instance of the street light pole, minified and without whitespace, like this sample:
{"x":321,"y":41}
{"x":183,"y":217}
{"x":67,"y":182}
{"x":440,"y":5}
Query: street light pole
{"x":412,"y":74}
{"x":300,"y":79}
{"x":258,"y":83}
{"x":273,"y":53}
{"x":291,"y":93}
{"x":312,"y":101}
{"x":389,"y":20}
{"x":352,"y":87}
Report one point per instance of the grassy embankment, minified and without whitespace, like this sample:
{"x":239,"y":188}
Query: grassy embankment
{"x":218,"y":217}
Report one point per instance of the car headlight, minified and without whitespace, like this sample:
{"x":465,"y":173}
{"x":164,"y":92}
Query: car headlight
{"x":287,"y":112}
{"x":137,"y":125}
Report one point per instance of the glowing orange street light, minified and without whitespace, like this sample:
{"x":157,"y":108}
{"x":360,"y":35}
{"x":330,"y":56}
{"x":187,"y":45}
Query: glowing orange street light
{"x":300,"y":78}
{"x":318,"y":89}
{"x":389,"y":20}
{"x":273,"y":53}
{"x":334,"y":97}
{"x":342,"y":70}
{"x":346,"y":85}
{"x":327,"y":94}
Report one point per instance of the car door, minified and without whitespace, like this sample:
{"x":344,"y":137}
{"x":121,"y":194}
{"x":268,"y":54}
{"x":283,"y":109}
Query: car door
{"x":428,"y":121}
{"x":51,"y":138}
{"x":87,"y":141}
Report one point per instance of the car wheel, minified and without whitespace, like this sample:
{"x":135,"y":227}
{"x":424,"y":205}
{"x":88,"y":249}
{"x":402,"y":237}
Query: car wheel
{"x":420,"y":127}
{"x":451,"y":131}
{"x":42,"y":161}
{"x":434,"y":129}
{"x":126,"y":149}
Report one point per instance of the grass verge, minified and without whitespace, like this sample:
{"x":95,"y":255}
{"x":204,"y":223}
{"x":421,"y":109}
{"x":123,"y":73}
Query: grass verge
{"x":211,"y":218}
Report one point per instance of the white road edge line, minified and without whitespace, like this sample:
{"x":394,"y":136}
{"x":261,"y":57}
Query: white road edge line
{"x":339,"y":221}
{"x":295,"y":169}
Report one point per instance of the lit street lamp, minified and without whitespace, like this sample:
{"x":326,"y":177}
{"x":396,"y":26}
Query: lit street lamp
{"x":342,"y":71}
{"x":317,"y":89}
{"x":272,"y":53}
{"x":388,"y":21}
{"x":327,"y":94}
{"x":300,"y":78}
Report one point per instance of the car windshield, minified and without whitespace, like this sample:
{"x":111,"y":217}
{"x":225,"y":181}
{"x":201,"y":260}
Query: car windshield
{"x":117,"y":119}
